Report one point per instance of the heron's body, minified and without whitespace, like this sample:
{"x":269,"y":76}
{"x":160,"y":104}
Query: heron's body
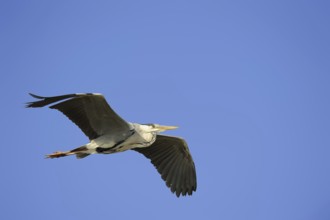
{"x":137,"y":137}
{"x":109,"y":133}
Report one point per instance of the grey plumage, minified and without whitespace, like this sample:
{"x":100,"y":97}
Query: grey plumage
{"x":109,"y":133}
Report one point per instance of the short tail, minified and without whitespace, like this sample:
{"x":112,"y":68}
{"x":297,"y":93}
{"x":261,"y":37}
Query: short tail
{"x":80,"y":153}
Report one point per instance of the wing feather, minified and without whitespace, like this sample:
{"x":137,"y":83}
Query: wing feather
{"x":172,"y":159}
{"x":89,"y":111}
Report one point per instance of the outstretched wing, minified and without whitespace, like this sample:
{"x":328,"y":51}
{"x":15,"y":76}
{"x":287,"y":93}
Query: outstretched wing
{"x":89,"y":111}
{"x":172,"y":159}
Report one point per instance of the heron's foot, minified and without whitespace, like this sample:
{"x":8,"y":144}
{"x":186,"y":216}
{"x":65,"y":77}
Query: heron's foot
{"x":58,"y":154}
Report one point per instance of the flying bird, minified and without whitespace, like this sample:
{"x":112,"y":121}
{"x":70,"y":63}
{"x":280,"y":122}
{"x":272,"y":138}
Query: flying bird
{"x":109,"y":133}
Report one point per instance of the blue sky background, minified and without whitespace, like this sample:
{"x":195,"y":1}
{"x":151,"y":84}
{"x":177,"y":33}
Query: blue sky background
{"x":246,"y":81}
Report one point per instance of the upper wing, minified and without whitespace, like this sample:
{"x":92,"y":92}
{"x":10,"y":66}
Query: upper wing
{"x":172,"y":159}
{"x":89,"y":111}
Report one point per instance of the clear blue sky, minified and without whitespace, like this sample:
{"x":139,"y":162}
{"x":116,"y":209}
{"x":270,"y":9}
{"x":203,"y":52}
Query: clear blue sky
{"x":246,"y":81}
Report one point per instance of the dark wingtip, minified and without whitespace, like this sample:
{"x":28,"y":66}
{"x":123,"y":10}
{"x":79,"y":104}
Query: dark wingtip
{"x":28,"y":105}
{"x":47,"y":100}
{"x":31,"y":104}
{"x":36,"y":96}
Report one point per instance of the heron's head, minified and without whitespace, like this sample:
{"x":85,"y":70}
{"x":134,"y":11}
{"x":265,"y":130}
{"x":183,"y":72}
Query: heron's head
{"x":159,"y":128}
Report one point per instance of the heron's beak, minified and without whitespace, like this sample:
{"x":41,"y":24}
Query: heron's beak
{"x":165,"y":128}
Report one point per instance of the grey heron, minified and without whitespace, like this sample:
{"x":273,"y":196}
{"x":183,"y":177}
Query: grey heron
{"x":109,"y":133}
